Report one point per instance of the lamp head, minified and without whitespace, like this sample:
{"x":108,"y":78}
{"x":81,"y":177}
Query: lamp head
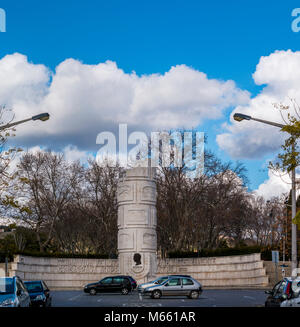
{"x":240,"y":117}
{"x":43,"y":117}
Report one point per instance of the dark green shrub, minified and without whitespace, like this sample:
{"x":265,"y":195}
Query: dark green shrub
{"x":266,"y":253}
{"x":63,"y":255}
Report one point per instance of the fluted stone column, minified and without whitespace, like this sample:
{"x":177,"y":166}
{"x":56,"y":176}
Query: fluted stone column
{"x":137,"y":240}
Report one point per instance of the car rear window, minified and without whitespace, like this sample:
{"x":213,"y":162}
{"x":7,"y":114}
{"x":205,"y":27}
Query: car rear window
{"x":187,"y":281}
{"x":45,"y":285}
{"x":118,"y":280}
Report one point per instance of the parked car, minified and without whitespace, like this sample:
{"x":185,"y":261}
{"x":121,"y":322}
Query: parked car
{"x":159,"y":280}
{"x":39,"y":293}
{"x":182,"y":286}
{"x":284,"y":293}
{"x":110,"y":284}
{"x":13,"y":293}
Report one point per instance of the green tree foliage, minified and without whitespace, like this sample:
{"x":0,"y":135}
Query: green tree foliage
{"x":289,"y":158}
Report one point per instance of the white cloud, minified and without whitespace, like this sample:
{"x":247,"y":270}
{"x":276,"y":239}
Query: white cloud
{"x":84,"y":100}
{"x":275,"y":185}
{"x":71,"y":154}
{"x":280,"y":72}
{"x":22,"y":82}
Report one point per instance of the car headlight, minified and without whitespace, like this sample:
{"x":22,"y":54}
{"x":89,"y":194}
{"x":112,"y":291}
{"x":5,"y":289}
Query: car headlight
{"x":39,"y":298}
{"x":7,"y":302}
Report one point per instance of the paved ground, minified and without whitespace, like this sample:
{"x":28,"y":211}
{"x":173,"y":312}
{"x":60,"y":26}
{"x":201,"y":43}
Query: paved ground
{"x":209,"y":298}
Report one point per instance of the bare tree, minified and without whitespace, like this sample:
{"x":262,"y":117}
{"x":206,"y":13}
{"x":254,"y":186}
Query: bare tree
{"x":45,"y":184}
{"x":266,"y":226}
{"x":195,"y":213}
{"x":101,"y":205}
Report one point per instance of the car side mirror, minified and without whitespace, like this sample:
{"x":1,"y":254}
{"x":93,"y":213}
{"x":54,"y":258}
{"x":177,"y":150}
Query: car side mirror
{"x":268,"y":292}
{"x":19,"y":292}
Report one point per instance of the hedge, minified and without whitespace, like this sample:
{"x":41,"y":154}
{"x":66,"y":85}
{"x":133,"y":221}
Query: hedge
{"x":3,"y":256}
{"x":58,"y":255}
{"x":266,"y":253}
{"x":64,"y":255}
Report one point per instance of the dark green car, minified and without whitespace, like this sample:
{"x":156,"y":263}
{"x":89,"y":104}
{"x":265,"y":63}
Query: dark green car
{"x":111,"y":284}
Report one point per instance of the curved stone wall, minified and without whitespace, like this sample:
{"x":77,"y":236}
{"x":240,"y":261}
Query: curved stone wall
{"x":63,"y":273}
{"x":234,"y":271}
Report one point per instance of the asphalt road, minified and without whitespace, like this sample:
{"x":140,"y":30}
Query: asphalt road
{"x":209,"y":298}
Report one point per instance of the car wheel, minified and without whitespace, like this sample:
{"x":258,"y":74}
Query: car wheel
{"x":93,"y":291}
{"x":124,"y":291}
{"x":194,"y":295}
{"x":156,"y":294}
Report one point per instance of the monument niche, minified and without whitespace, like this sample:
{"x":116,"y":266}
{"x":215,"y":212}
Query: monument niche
{"x":137,"y":240}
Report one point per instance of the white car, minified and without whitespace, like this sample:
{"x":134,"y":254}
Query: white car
{"x":176,"y":286}
{"x":158,"y":281}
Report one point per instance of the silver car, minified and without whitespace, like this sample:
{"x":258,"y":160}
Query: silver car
{"x":176,"y":286}
{"x":13,"y":293}
{"x":158,"y":281}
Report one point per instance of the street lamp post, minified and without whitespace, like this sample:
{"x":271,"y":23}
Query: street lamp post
{"x":239,"y":117}
{"x":285,"y":229}
{"x":43,"y":117}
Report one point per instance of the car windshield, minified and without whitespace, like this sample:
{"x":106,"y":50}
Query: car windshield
{"x":160,"y":280}
{"x":33,"y":287}
{"x":6,"y":286}
{"x":282,"y":287}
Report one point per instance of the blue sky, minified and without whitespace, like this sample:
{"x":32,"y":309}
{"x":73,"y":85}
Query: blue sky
{"x":224,"y":39}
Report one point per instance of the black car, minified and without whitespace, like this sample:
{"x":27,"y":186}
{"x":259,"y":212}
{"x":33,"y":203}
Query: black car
{"x":39,"y":293}
{"x":110,"y":284}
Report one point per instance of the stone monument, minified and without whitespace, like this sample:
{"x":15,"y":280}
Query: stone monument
{"x":137,"y":240}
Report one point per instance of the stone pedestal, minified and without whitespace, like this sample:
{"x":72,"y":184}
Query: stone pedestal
{"x":137,"y":240}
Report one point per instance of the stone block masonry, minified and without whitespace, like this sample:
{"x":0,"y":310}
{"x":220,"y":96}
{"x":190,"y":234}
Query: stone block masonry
{"x":61,"y":273}
{"x":230,"y":271}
